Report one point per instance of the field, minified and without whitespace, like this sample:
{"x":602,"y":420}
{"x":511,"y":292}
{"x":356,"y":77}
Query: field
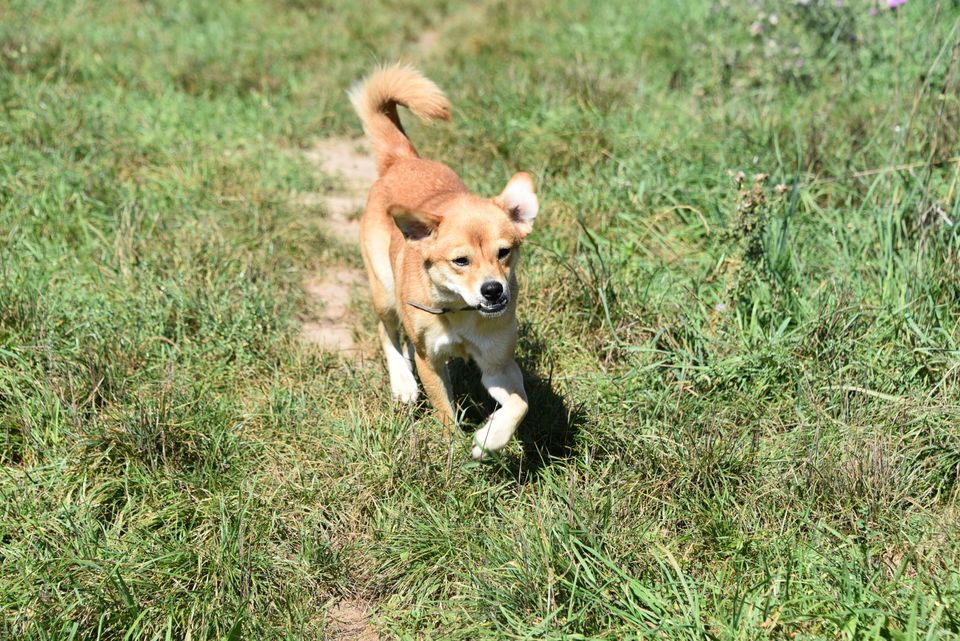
{"x":740,"y":325}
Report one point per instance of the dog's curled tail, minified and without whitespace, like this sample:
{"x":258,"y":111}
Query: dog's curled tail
{"x":376,"y":98}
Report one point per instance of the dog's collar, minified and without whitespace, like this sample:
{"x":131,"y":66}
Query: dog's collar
{"x":437,"y":310}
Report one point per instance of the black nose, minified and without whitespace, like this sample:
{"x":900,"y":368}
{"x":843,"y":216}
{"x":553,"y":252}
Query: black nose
{"x":491,"y":290}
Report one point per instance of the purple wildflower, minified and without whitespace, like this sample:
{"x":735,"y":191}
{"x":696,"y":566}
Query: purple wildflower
{"x":893,"y":4}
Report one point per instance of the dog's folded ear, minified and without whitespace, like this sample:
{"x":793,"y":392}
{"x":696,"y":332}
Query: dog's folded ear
{"x":520,"y":201}
{"x":414,"y":225}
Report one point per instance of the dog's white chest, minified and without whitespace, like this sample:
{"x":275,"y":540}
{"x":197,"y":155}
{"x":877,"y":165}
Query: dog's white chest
{"x":467,"y":340}
{"x":456,"y":339}
{"x":448,"y":344}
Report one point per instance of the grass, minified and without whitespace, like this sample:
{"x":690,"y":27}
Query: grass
{"x":745,"y":413}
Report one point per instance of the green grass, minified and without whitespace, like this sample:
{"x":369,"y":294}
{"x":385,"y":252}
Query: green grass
{"x":745,"y":417}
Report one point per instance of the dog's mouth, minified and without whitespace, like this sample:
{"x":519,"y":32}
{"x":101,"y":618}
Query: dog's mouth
{"x":494,"y":309}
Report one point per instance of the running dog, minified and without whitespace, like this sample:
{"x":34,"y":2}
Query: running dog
{"x":441,"y":260}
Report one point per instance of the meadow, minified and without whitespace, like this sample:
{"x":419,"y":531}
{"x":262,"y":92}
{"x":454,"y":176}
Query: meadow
{"x":740,"y":325}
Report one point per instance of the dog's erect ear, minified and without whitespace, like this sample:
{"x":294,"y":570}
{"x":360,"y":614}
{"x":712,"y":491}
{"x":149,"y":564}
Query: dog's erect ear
{"x":519,"y":200}
{"x":414,"y":225}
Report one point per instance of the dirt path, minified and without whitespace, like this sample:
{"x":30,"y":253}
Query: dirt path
{"x":349,"y":620}
{"x":349,"y":160}
{"x":331,"y":290}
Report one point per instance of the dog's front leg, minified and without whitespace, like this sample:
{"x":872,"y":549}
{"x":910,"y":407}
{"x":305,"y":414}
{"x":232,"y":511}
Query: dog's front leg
{"x":505,"y":385}
{"x":436,"y":382}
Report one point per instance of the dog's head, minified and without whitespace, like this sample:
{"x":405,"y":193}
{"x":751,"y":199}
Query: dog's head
{"x":469,"y":246}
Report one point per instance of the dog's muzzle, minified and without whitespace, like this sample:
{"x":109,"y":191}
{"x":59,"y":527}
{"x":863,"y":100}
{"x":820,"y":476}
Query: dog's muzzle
{"x":493,"y":309}
{"x":495,"y":298}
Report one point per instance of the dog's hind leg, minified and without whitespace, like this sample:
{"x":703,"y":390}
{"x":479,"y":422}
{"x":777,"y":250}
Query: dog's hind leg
{"x":403,"y":385}
{"x":375,"y":245}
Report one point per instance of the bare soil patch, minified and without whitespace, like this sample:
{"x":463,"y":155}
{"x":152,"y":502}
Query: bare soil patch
{"x":346,"y":158}
{"x":350,"y":620}
{"x":427,"y":42}
{"x":449,"y":30}
{"x":331,"y":327}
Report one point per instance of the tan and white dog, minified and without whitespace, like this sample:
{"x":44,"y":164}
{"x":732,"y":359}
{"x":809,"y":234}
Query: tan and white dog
{"x":441,"y":260}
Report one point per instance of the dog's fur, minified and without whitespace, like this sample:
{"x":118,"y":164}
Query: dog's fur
{"x":427,"y":240}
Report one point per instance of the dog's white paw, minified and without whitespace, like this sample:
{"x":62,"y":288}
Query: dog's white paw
{"x":403,"y":387}
{"x":489,"y":439}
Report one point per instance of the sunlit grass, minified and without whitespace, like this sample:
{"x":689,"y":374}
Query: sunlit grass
{"x":744,"y":391}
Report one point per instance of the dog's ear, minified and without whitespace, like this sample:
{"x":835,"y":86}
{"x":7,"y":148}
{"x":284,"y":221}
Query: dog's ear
{"x":520,"y":201}
{"x":414,"y":225}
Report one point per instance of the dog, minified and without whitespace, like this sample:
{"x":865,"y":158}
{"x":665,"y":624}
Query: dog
{"x":441,"y":260}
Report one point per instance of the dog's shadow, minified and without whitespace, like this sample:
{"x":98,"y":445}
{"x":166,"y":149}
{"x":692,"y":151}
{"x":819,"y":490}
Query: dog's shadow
{"x":548,"y":432}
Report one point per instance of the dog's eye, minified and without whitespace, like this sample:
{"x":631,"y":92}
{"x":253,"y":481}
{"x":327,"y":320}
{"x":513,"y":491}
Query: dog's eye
{"x":461,"y":261}
{"x":503,"y":253}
